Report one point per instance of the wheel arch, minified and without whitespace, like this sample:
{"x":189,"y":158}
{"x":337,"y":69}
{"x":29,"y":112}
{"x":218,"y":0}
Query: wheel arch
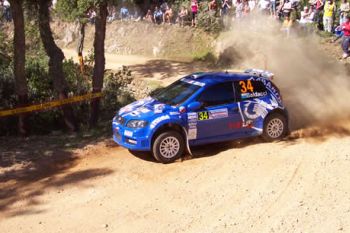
{"x":168,"y":126}
{"x":281,"y":111}
{"x":171,"y":126}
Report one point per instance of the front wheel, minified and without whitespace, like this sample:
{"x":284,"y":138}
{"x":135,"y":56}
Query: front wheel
{"x":275,"y":127}
{"x":168,"y":147}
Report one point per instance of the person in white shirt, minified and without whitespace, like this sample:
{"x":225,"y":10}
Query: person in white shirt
{"x":252,"y":5}
{"x":264,"y":5}
{"x":306,"y":16}
{"x":344,"y":11}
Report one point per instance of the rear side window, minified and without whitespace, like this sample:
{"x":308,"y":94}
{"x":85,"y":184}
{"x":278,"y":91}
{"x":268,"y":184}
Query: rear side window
{"x":249,"y":89}
{"x":218,"y":94}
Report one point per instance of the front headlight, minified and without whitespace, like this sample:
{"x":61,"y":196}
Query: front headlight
{"x":136,"y":124}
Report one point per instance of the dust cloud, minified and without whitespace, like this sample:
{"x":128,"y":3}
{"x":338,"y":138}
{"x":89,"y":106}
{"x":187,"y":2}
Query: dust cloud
{"x":314,"y":86}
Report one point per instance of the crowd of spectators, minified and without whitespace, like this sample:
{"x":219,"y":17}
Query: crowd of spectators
{"x":326,"y":15}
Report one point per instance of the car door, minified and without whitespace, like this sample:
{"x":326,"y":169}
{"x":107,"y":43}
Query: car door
{"x":219,"y":118}
{"x":251,"y":98}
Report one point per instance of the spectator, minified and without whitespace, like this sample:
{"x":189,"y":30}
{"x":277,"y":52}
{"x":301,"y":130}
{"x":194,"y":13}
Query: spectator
{"x":273,"y":8}
{"x":338,"y":33}
{"x":194,"y":9}
{"x":212,"y":6}
{"x":148,"y":17}
{"x":225,"y":7}
{"x":182,"y":15}
{"x":124,"y":13}
{"x":346,"y":37}
{"x":112,"y":14}
{"x":168,"y":15}
{"x":328,"y":14}
{"x":318,"y":6}
{"x":54,"y":3}
{"x":158,"y":16}
{"x":7,"y":11}
{"x":264,"y":6}
{"x":91,"y":15}
{"x":136,"y":16}
{"x":344,"y":11}
{"x":252,"y":5}
{"x":164,"y":7}
{"x":239,"y":9}
{"x":287,"y":25}
{"x":287,"y":8}
{"x":246,"y":8}
{"x":306,"y":16}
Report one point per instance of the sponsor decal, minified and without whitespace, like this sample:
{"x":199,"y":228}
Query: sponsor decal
{"x":202,"y":116}
{"x":192,"y":134}
{"x":212,"y":114}
{"x":128,"y":133}
{"x":192,"y":116}
{"x":156,"y":121}
{"x":218,"y":113}
{"x":158,"y":108}
{"x":271,"y":88}
{"x":174,"y":113}
{"x":253,"y":95}
{"x":240,"y":124}
{"x":259,"y":108}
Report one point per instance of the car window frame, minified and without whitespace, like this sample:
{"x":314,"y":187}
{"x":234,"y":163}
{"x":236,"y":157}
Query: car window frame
{"x":216,"y":105}
{"x":238,"y":94}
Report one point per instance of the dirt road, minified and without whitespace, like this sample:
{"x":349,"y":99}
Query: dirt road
{"x":299,"y":185}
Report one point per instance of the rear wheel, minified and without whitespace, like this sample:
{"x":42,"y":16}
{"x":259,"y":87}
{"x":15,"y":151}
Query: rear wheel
{"x":275,"y":127}
{"x":168,"y":146}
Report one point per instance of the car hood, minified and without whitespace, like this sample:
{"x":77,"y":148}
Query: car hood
{"x":144,"y":109}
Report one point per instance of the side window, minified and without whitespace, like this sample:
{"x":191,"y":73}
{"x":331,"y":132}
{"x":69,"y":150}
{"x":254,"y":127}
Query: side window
{"x":249,"y":89}
{"x":217,"y":95}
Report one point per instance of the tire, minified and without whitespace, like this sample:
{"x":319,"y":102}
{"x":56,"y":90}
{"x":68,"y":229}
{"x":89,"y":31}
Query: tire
{"x":275,"y":127}
{"x":168,"y":147}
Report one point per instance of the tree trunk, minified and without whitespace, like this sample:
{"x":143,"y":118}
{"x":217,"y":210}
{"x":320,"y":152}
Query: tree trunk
{"x":56,"y":57}
{"x":80,"y":46}
{"x":19,"y":63}
{"x":99,"y":67}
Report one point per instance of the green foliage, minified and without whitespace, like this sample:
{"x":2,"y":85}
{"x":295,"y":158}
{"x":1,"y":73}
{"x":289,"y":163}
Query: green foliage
{"x":77,"y":83}
{"x":209,"y":23}
{"x":72,"y":10}
{"x":115,"y":89}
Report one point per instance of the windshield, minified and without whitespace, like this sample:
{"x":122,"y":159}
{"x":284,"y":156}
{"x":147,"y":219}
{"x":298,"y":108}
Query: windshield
{"x":176,"y":93}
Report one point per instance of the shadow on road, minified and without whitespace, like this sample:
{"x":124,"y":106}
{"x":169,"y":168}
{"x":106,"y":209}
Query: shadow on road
{"x":36,"y":166}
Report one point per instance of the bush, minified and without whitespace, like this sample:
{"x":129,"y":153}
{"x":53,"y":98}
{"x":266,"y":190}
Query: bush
{"x":115,"y":90}
{"x":209,"y":22}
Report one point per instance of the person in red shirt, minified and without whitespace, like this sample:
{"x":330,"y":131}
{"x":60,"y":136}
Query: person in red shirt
{"x":194,"y":9}
{"x":346,"y":38}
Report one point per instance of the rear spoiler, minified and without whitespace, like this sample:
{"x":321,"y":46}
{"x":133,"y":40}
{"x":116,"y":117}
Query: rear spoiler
{"x":261,"y":73}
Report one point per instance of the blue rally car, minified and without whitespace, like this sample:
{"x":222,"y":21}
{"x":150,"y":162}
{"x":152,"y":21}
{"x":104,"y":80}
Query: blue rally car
{"x":202,"y":108}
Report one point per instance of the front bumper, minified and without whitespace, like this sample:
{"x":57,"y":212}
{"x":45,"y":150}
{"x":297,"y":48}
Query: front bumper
{"x":132,"y":139}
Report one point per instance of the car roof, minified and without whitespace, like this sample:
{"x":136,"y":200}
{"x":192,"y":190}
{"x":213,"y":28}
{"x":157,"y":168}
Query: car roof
{"x":219,"y":77}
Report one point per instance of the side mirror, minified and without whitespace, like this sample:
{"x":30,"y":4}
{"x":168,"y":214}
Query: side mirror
{"x":194,"y":106}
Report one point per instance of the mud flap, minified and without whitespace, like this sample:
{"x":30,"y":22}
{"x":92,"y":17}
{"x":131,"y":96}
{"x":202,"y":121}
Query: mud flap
{"x":187,"y":142}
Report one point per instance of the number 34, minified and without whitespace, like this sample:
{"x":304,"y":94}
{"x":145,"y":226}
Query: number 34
{"x":245,"y":86}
